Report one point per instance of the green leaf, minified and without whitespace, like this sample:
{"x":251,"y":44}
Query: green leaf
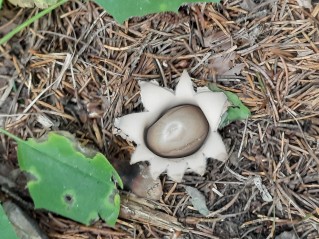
{"x":68,"y":179}
{"x":236,"y":111}
{"x":6,"y":228}
{"x":1,"y":4}
{"x":124,"y":9}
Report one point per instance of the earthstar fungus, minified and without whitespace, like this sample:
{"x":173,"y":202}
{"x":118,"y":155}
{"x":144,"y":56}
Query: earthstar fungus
{"x":178,"y":130}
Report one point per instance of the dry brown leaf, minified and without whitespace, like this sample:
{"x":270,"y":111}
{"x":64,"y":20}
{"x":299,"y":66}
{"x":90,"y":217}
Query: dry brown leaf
{"x":198,"y":200}
{"x":305,"y":3}
{"x":217,"y":40}
{"x":224,"y":65}
{"x":287,"y":235}
{"x":31,"y":3}
{"x":143,"y":185}
{"x":26,"y":3}
{"x":137,"y":179}
{"x":235,"y":70}
{"x":306,"y":52}
{"x":248,"y":5}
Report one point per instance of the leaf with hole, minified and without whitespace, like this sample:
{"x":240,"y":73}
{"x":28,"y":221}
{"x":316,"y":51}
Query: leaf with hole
{"x":68,"y":179}
{"x":6,"y":228}
{"x":236,"y":111}
{"x":124,"y":9}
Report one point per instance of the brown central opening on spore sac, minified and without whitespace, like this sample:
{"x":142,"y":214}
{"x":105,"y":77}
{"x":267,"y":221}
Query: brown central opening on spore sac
{"x":179,"y":132}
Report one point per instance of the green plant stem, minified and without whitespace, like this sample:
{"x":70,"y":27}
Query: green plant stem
{"x":30,"y":21}
{"x":17,"y":139}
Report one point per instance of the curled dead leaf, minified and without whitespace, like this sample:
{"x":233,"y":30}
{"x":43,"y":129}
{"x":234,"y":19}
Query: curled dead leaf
{"x":305,"y":3}
{"x":248,"y":5}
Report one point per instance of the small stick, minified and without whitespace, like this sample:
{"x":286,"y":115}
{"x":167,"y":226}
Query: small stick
{"x":132,"y":210}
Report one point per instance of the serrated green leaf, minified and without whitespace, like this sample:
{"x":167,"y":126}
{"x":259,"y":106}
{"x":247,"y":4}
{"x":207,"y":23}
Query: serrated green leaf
{"x":124,"y":9}
{"x":6,"y":228}
{"x":69,"y":180}
{"x":236,"y":111}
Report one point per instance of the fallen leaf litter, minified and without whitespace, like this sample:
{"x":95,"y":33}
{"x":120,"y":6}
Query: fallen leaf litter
{"x":277,"y":41}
